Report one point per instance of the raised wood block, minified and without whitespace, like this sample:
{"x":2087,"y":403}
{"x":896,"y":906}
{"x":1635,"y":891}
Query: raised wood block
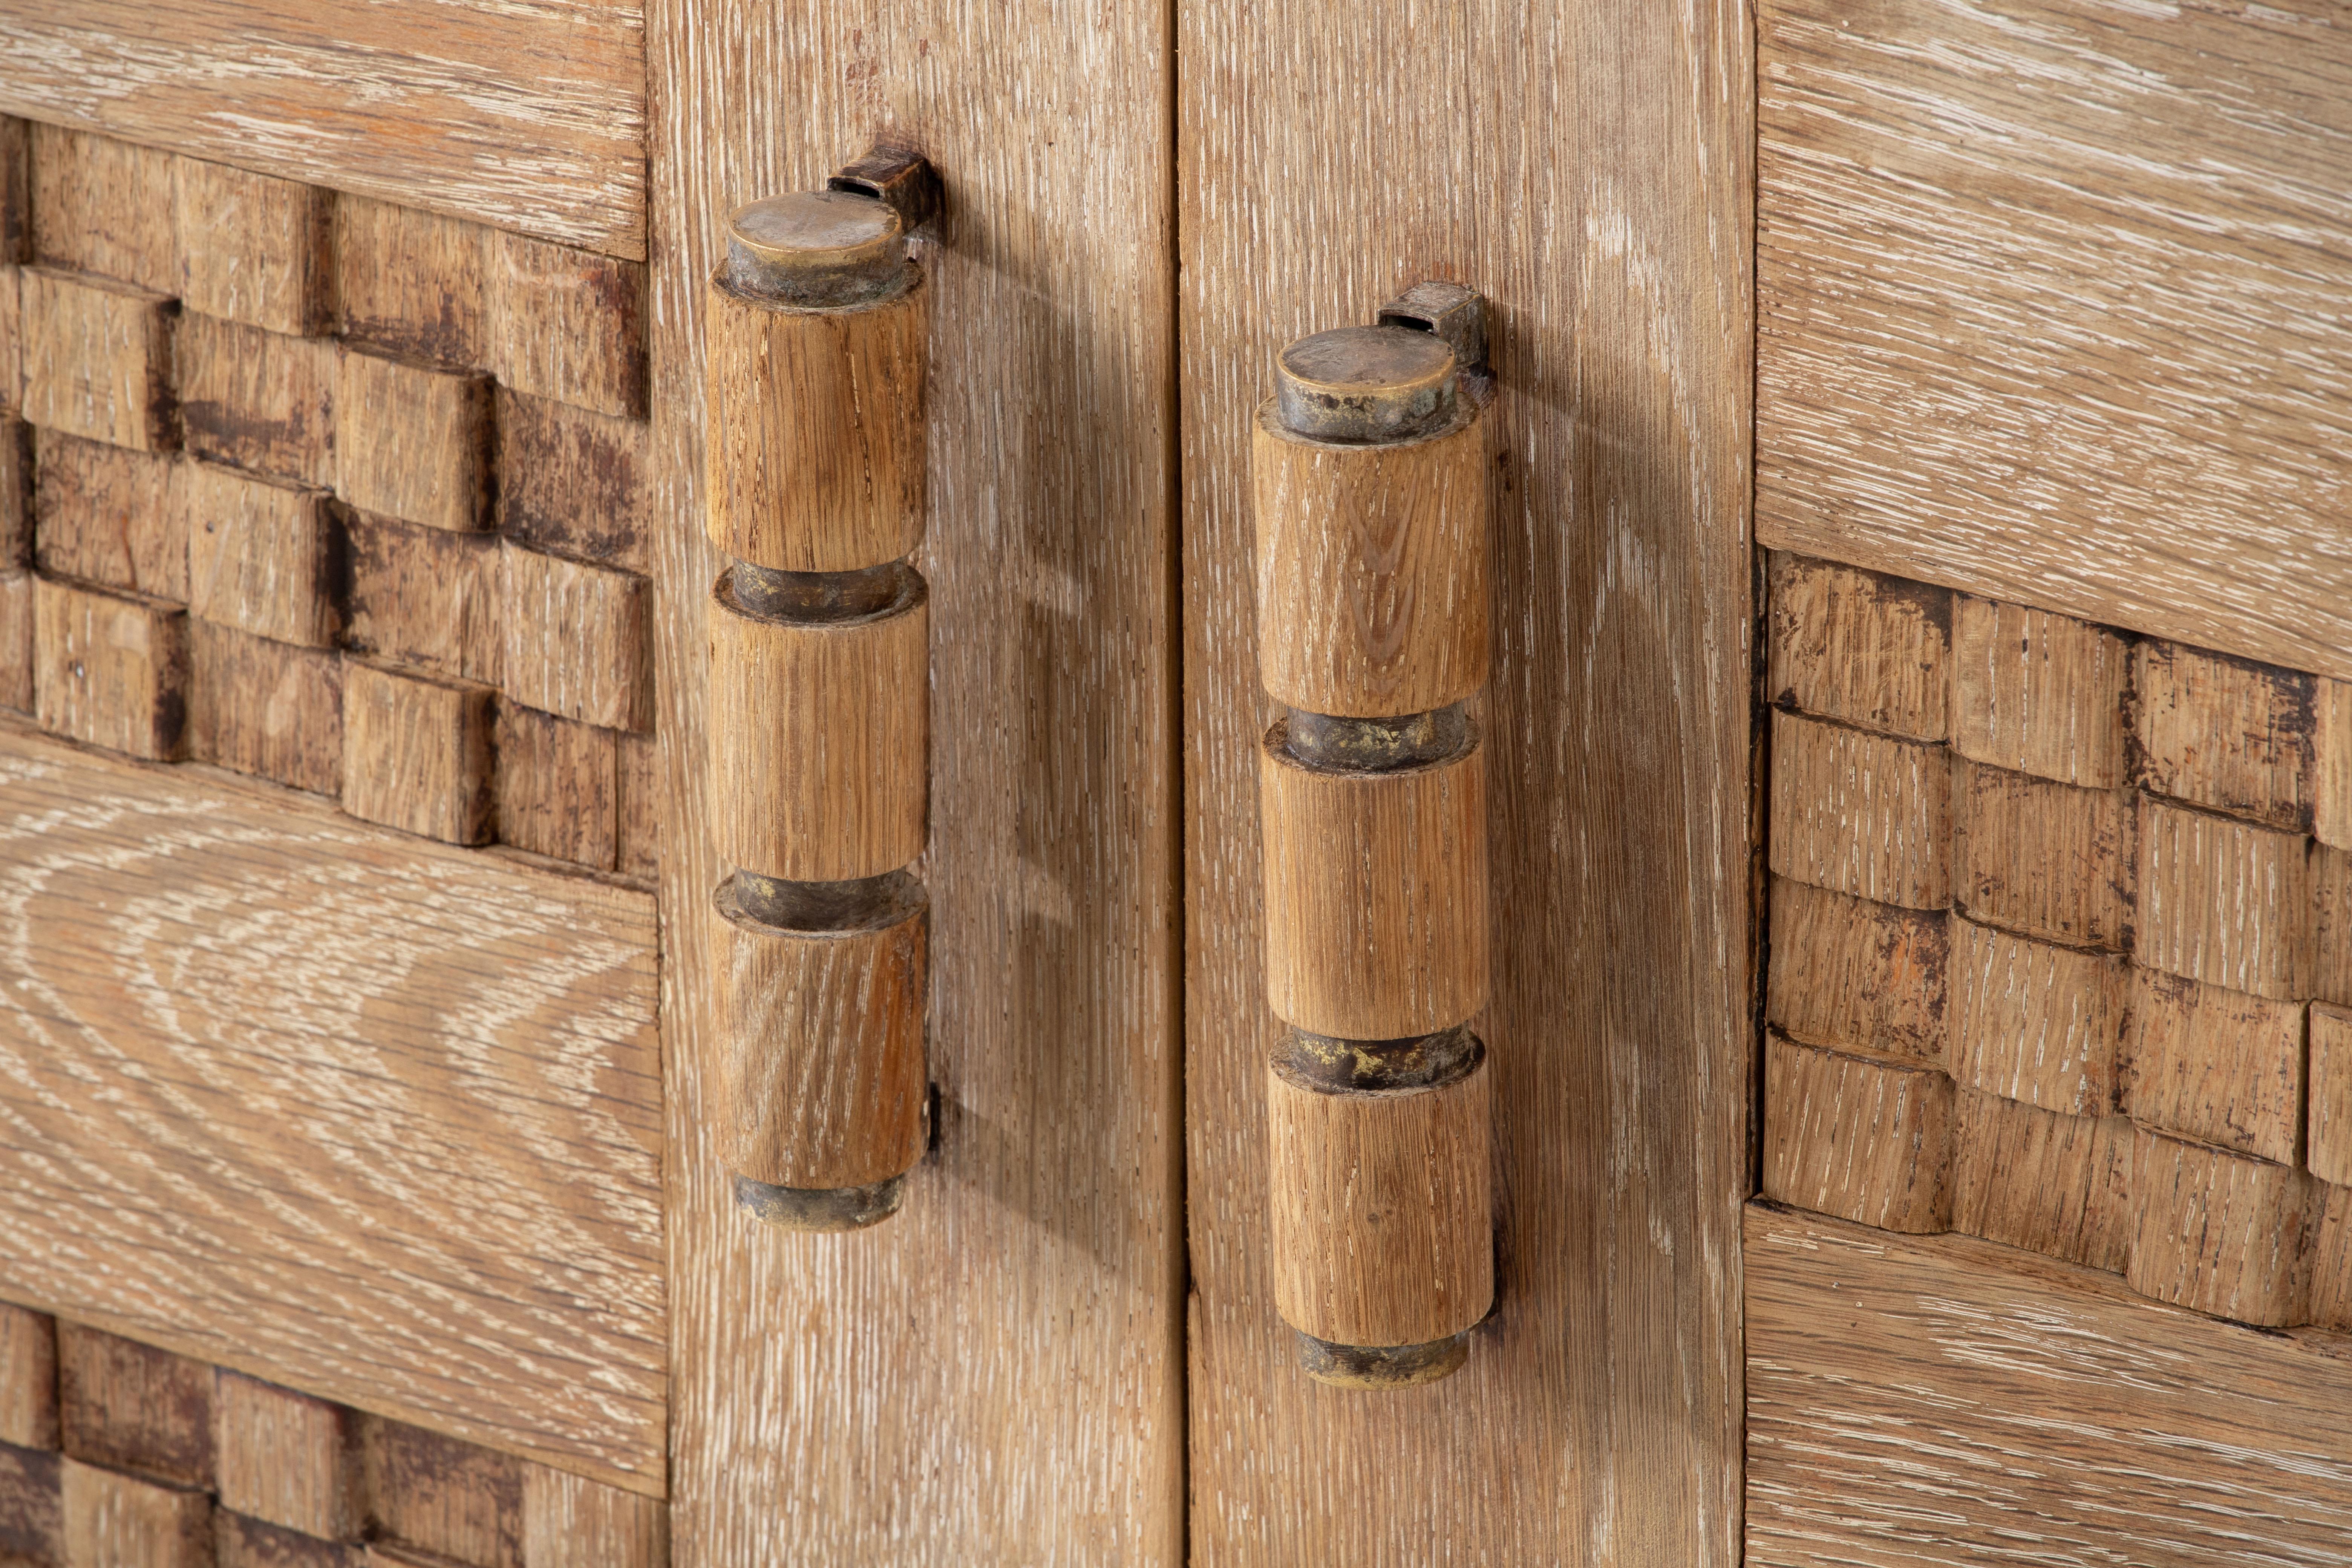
{"x":822,"y":1067}
{"x":568,"y":324}
{"x":2035,"y":1022}
{"x":1860,"y":814}
{"x":417,"y":753}
{"x":134,"y":1406}
{"x":287,"y":1458}
{"x":32,"y":1508}
{"x":2328,"y":1129}
{"x":2331,"y":806}
{"x":2043,"y":858}
{"x":424,"y":595}
{"x":110,"y":670}
{"x":264,"y":707}
{"x":412,"y":442}
{"x":16,"y":191}
{"x":28,"y":1378}
{"x":410,"y":282}
{"x":557,"y":787}
{"x":2224,"y":901}
{"x":109,"y":515}
{"x":1847,"y":971}
{"x":2038,"y":692}
{"x":2216,"y":1065}
{"x":2218,"y":1232}
{"x":98,"y":359}
{"x":114,"y":1521}
{"x":430,"y":1491}
{"x":260,"y":400}
{"x":17,"y":641}
{"x":2331,"y":1258}
{"x":815,"y":454}
{"x":820,"y":737}
{"x":253,"y":249}
{"x":637,"y":814}
{"x":576,"y":482}
{"x":241,"y":1543}
{"x":2331,"y":924}
{"x":1867,"y":1138}
{"x":264,"y":556}
{"x":1870,"y":650}
{"x":570,"y":1521}
{"x":16,"y":470}
{"x":2226,"y":733}
{"x":576,"y":640}
{"x":12,"y":340}
{"x":2044,"y":1181}
{"x":104,"y":205}
{"x":1382,"y":1222}
{"x":1372,"y":567}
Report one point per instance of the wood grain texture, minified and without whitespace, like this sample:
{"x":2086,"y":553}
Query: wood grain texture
{"x":32,"y":1507}
{"x":98,"y":359}
{"x":412,"y":442}
{"x":567,"y":324}
{"x":412,"y":283}
{"x":12,"y":328}
{"x":574,"y":639}
{"x":263,"y":557}
{"x":570,"y":1522}
{"x":426,"y":1489}
{"x":530,"y":117}
{"x":1861,"y":1136}
{"x":264,"y":707}
{"x":253,"y":249}
{"x":573,"y":482}
{"x":16,"y":472}
{"x":110,"y":670}
{"x":1372,"y":568}
{"x":2036,"y":1022}
{"x":109,"y":515}
{"x":1964,"y":1402}
{"x":114,"y":1521}
{"x":2218,"y":1232}
{"x":2216,"y":1065}
{"x":28,"y":1378}
{"x":1977,"y":223}
{"x":2331,"y":924}
{"x":2328,"y":1137}
{"x":16,"y":191}
{"x":424,"y":595}
{"x":2331,"y":765}
{"x":557,"y":787}
{"x":2331,"y":1260}
{"x":1872,"y":650}
{"x":417,"y":752}
{"x":133,"y":1407}
{"x":1054,"y":1432}
{"x":637,"y":810}
{"x":2038,"y":692}
{"x":409,"y":1160}
{"x":260,"y":400}
{"x":2224,"y":902}
{"x":242,"y":1542}
{"x":1848,"y":972}
{"x":2044,"y":1180}
{"x":2226,"y":733}
{"x":287,"y":1458}
{"x":2043,"y":858}
{"x":104,"y":205}
{"x":1860,"y":814}
{"x":17,"y":641}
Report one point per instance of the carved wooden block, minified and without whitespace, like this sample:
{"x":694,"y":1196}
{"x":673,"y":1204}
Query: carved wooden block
{"x":1848,"y":972}
{"x":569,"y":1521}
{"x":2042,"y":1180}
{"x":287,"y":1458}
{"x":2224,"y":901}
{"x":104,"y":205}
{"x":264,"y":556}
{"x":110,"y":670}
{"x":32,"y":1507}
{"x":2331,"y":924}
{"x":568,"y":324}
{"x":2035,"y":1022}
{"x":2331,"y":1258}
{"x":557,"y":787}
{"x":576,"y":482}
{"x":98,"y":359}
{"x":15,"y":190}
{"x":1865,"y":1137}
{"x":2218,"y":1232}
{"x":12,"y":339}
{"x":1852,"y":645}
{"x":431,"y":1493}
{"x":2328,"y":1141}
{"x":2331,"y":806}
{"x":260,"y":400}
{"x":241,"y":1543}
{"x":253,"y":249}
{"x":17,"y":641}
{"x":424,"y":595}
{"x":410,"y":282}
{"x":2226,"y":733}
{"x":637,"y":811}
{"x":2038,"y":692}
{"x":413,"y":443}
{"x":2219,"y":1066}
{"x":28,"y":1378}
{"x":2044,"y":858}
{"x":15,"y":485}
{"x":114,"y":1521}
{"x":574,"y":639}
{"x":108,"y":515}
{"x":135,"y":1407}
{"x":1860,"y":814}
{"x":264,"y":707}
{"x":417,"y":753}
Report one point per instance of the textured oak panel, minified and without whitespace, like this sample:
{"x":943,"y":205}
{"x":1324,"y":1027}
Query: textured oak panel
{"x":1852,"y":645}
{"x":2038,"y":692}
{"x":1848,"y":972}
{"x":1860,"y":814}
{"x":2044,"y":1180}
{"x":1862,"y":1136}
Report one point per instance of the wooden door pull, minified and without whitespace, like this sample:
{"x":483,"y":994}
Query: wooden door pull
{"x":820,"y":724}
{"x":1370,"y":485}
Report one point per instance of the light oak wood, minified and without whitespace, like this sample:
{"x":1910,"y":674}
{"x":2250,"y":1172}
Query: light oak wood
{"x":417,"y":753}
{"x":2045,"y":859}
{"x":1858,"y":1135}
{"x":1872,"y":650}
{"x":2038,"y":692}
{"x":1376,"y":895}
{"x":573,"y":482}
{"x":557,"y":787}
{"x":16,"y":467}
{"x":114,"y":1521}
{"x":637,"y":809}
{"x":531,"y":119}
{"x":2331,"y":1261}
{"x":134,"y":1406}
{"x":1964,"y":1402}
{"x":2010,"y":261}
{"x":17,"y":641}
{"x":2224,"y":902}
{"x":32,"y":1508}
{"x":570,"y":1521}
{"x":2218,"y":1232}
{"x":2331,"y":924}
{"x":396,"y":1144}
{"x":111,"y":515}
{"x":98,"y":359}
{"x":567,"y":324}
{"x":28,"y":1378}
{"x":263,"y":557}
{"x":2226,"y":733}
{"x":12,"y":329}
{"x":104,"y":205}
{"x":259,"y":400}
{"x":2036,"y":1022}
{"x":2328,"y":1125}
{"x":412,"y":442}
{"x":110,"y":670}
{"x":1860,"y":814}
{"x":1372,"y":567}
{"x":287,"y":1458}
{"x":16,"y":191}
{"x":412,"y":283}
{"x":2044,"y":1180}
{"x":2216,"y":1065}
{"x":817,"y":430}
{"x":1382,"y":1225}
{"x":427,"y":1490}
{"x":241,"y":1543}
{"x":574,"y":638}
{"x":820,"y":740}
{"x":2331,"y":765}
{"x":424,"y":595}
{"x":252,"y":249}
{"x":1847,"y":971}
